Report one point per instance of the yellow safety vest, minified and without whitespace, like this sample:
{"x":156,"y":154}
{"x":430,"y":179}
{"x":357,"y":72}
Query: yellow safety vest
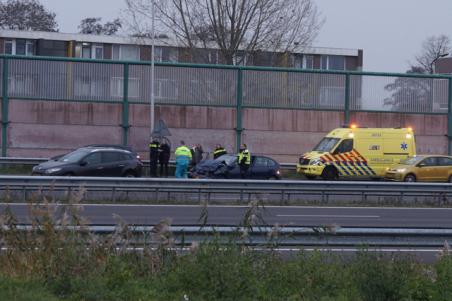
{"x":153,"y":145}
{"x":219,"y":150}
{"x":247,"y":156}
{"x":183,"y":151}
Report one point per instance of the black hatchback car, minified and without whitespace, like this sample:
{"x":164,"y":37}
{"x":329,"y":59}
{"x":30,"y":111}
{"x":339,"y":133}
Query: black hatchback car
{"x":226,"y":167}
{"x":92,"y":162}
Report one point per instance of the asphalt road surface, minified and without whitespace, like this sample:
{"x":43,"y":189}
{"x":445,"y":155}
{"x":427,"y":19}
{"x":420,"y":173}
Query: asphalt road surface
{"x":104,"y":214}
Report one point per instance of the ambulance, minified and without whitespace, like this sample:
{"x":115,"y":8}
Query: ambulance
{"x":357,"y":153}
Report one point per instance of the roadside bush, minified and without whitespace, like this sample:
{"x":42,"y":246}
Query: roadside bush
{"x":24,"y":290}
{"x":443,"y":281}
{"x":396,"y":278}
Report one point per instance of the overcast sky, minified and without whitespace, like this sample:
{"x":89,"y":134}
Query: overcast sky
{"x":389,"y":31}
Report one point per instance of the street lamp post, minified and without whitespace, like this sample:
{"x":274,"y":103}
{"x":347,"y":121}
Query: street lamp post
{"x":152,"y":66}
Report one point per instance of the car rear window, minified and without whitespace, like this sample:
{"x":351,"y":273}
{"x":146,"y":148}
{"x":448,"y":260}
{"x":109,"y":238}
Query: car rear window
{"x":443,"y":161}
{"x":125,"y":157}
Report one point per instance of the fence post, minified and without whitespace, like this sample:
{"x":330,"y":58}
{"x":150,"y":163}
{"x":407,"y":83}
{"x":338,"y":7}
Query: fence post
{"x":238,"y":128}
{"x":449,"y":118}
{"x":125,"y":105}
{"x":5,"y":107}
{"x":347,"y":100}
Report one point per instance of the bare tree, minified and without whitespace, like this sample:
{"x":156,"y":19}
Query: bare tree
{"x":433,"y":48}
{"x":234,"y":27}
{"x":410,"y":93}
{"x":26,"y":15}
{"x":93,"y":26}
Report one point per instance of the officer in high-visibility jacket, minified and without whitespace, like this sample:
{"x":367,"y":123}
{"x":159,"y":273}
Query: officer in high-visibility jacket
{"x":219,"y":151}
{"x":153,"y":157}
{"x":244,"y":160}
{"x":183,"y":158}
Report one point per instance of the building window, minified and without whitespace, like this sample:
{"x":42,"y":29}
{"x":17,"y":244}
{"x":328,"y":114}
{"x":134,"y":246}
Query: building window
{"x":126,"y":52}
{"x":166,"y":89}
{"x":9,"y":45}
{"x":240,"y":59}
{"x":297,"y":60}
{"x":98,"y":52}
{"x":19,"y":47}
{"x":332,"y":62}
{"x":30,"y":48}
{"x":88,"y":86}
{"x":308,"y":62}
{"x":86,"y":51}
{"x":158,"y":54}
{"x":117,"y":87}
{"x":212,"y":56}
{"x":332,"y":97}
{"x":22,"y":84}
{"x":89,"y":51}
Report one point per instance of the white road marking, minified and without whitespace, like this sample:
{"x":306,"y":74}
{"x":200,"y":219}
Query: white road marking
{"x":328,"y":215}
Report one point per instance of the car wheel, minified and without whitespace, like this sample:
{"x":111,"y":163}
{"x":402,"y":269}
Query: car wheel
{"x":330,"y":173}
{"x":68,"y":174}
{"x":410,"y":178}
{"x":311,"y":177}
{"x":129,"y":174}
{"x":273,"y":178}
{"x":450,"y":179}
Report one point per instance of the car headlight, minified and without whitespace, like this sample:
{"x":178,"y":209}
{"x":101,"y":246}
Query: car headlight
{"x":52,"y":170}
{"x":316,"y":162}
{"x":401,"y":170}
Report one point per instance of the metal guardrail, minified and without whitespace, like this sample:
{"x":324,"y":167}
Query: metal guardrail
{"x":152,"y":189}
{"x":286,"y":236}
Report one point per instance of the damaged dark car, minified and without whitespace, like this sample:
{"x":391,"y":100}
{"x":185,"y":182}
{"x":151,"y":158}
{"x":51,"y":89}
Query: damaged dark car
{"x":226,"y":167}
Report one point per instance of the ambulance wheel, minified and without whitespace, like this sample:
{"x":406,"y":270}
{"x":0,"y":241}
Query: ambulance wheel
{"x":310,"y":177}
{"x":330,"y":173}
{"x":410,"y":178}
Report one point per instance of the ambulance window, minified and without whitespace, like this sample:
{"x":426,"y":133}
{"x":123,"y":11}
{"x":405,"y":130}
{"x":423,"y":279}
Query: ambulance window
{"x":326,"y":144}
{"x":345,"y":146}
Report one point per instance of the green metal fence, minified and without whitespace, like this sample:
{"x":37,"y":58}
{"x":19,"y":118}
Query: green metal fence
{"x":68,"y":79}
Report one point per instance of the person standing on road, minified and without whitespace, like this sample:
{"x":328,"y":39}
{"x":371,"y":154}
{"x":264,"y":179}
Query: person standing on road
{"x":154,"y":147}
{"x":244,"y":160}
{"x":164,"y":156}
{"x":196,"y":153}
{"x":197,"y":156}
{"x":183,"y":158}
{"x":219,"y":151}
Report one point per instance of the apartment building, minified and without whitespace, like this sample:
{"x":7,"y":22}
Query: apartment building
{"x":139,"y":49}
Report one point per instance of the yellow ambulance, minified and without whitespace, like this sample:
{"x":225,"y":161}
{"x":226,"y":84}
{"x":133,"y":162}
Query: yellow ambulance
{"x":357,"y":153}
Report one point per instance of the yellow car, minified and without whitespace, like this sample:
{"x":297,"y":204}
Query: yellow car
{"x":427,"y":168}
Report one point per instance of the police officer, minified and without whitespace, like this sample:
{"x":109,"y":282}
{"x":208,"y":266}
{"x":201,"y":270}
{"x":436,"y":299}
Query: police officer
{"x":183,"y":158}
{"x":219,"y":151}
{"x":164,"y":156}
{"x":153,"y":157}
{"x":244,"y":160}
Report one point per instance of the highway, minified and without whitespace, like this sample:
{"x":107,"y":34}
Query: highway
{"x":388,"y":217}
